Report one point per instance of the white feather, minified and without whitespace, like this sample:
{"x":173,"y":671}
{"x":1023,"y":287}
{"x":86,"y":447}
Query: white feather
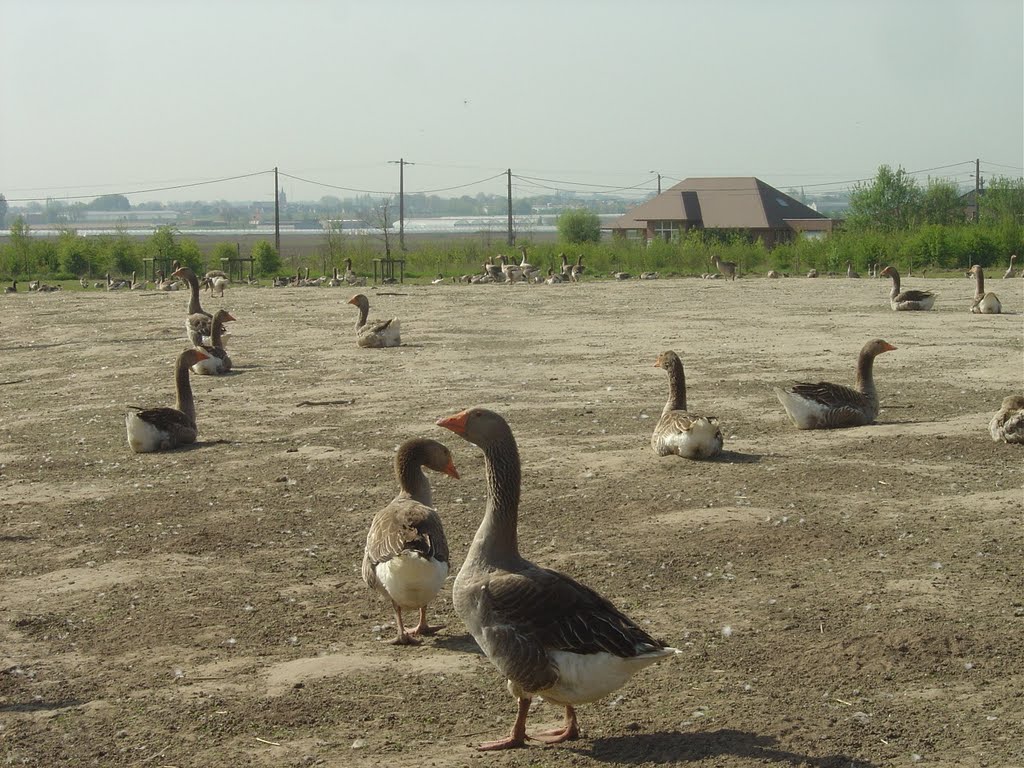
{"x":410,"y":579}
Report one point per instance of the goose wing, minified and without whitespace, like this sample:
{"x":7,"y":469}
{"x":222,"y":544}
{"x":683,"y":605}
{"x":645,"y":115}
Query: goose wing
{"x":404,"y":525}
{"x":831,"y":395}
{"x":165,"y":419}
{"x":914,"y":296}
{"x":535,"y":611}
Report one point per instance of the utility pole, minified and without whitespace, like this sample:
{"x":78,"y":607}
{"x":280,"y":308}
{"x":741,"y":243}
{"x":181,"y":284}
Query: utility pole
{"x":401,"y":163}
{"x":659,"y":181}
{"x":511,"y":235}
{"x":977,"y":190}
{"x":277,"y":215}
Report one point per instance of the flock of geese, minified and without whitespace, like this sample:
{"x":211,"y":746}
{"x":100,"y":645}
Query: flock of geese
{"x":548,"y":634}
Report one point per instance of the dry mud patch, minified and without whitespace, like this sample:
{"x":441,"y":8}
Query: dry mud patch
{"x":843,"y":598}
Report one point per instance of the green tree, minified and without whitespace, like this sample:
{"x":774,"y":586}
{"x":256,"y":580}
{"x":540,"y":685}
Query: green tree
{"x":941,"y":204}
{"x":110,"y":203}
{"x":579,"y":226}
{"x":1003,"y":200}
{"x":891,"y":202}
{"x":75,"y":253}
{"x":265,"y":258}
{"x":124,"y":258}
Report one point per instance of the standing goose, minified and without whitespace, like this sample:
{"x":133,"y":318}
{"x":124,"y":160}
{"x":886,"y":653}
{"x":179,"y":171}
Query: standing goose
{"x":1008,"y":424}
{"x":406,"y":556}
{"x":678,"y":431}
{"x":1009,"y":271}
{"x":984,"y":303}
{"x":833,"y":406}
{"x":381,"y":333}
{"x":566,"y":267}
{"x":198,"y":321}
{"x":577,"y":269}
{"x":546,"y":633}
{"x":727,"y":268}
{"x":162,"y":429}
{"x":906,"y":300}
{"x":526,"y":268}
{"x":217,"y":360}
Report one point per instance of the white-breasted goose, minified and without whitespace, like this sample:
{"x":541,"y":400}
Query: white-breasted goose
{"x":679,"y":431}
{"x":902,"y":301}
{"x":380,"y":333}
{"x":406,"y":555}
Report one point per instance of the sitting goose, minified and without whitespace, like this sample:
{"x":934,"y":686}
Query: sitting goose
{"x":546,"y":633}
{"x":812,"y":272}
{"x":161,"y":429}
{"x":984,"y":303}
{"x":773,"y":274}
{"x":726,"y":268}
{"x":649,"y":275}
{"x":406,"y":556}
{"x":906,"y":300}
{"x":351,"y":277}
{"x":12,"y":288}
{"x":622,"y":275}
{"x":217,"y":360}
{"x":1008,"y":423}
{"x":1009,"y":271}
{"x":511,"y":271}
{"x":197,"y":323}
{"x":850,"y":272}
{"x":678,"y":431}
{"x":554,"y":278}
{"x":833,"y":406}
{"x":382,"y":333}
{"x":335,"y":281}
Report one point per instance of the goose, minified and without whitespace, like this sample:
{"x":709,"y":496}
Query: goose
{"x":984,"y":303}
{"x":351,"y":277}
{"x":165,"y":285}
{"x":566,"y":266}
{"x":162,"y":429}
{"x":215,"y":273}
{"x":833,"y":406}
{"x":83,"y":282}
{"x":772,"y":274}
{"x":906,"y":300}
{"x":511,"y":271}
{"x":12,"y":288}
{"x":494,"y":271}
{"x":678,"y":431}
{"x":335,"y":281}
{"x":577,"y":269}
{"x":812,"y":273}
{"x":217,"y":360}
{"x":850,"y":272}
{"x":546,"y":633}
{"x":406,"y":556}
{"x":438,"y":280}
{"x":136,"y":286}
{"x":1008,"y":424}
{"x":1009,"y":271}
{"x":553,"y":277}
{"x":112,"y":285}
{"x":621,"y":275}
{"x":649,"y":275}
{"x":218,"y":284}
{"x":197,"y":323}
{"x":727,"y":268}
{"x":383,"y":333}
{"x":526,"y":268}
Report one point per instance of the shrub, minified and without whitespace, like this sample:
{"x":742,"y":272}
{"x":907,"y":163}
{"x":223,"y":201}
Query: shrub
{"x":265,"y":258}
{"x":579,"y":226}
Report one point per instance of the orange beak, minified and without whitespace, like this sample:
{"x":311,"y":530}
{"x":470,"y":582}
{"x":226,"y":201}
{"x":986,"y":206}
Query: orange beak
{"x":887,"y":347}
{"x":229,"y":317}
{"x":177,"y":273}
{"x":456,"y":423}
{"x":450,"y":470}
{"x":352,"y":300}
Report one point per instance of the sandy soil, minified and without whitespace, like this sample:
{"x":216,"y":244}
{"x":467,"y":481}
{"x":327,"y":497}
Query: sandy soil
{"x":849,"y":598}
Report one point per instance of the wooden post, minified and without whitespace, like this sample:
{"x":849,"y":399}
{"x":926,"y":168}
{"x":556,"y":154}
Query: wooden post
{"x":511,"y":235}
{"x":277,"y":215}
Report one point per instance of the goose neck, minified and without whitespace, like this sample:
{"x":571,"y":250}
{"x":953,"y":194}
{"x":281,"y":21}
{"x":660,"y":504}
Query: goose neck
{"x":979,"y":279}
{"x":676,"y":387}
{"x":496,"y":542}
{"x":865,"y":376}
{"x":412,"y":481}
{"x":183,"y":390}
{"x":193,"y":296}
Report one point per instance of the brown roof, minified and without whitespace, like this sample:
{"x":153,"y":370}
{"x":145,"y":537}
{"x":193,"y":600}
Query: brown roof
{"x":734,"y":202}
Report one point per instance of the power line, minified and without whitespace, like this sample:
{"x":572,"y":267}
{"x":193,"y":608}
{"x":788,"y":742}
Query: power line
{"x":143,"y":191}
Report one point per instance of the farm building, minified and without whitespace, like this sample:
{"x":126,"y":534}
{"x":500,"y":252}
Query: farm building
{"x":727,"y":204}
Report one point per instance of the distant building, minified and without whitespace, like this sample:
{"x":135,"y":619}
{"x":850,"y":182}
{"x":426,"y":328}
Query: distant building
{"x":727,"y":204}
{"x":128,"y":217}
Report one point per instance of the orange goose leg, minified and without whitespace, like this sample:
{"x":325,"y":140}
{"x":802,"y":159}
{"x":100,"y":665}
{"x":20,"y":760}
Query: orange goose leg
{"x":518,"y":735}
{"x":403,"y":638}
{"x":423,"y":628}
{"x":569,"y":732}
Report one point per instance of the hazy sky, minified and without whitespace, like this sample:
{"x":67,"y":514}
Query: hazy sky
{"x":112,"y":96}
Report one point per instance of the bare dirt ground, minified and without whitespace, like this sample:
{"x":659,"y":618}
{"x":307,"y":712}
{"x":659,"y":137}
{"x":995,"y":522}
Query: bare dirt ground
{"x":850,"y":598}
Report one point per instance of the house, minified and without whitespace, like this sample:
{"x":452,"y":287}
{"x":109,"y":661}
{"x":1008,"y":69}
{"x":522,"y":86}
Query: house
{"x":742,"y":204}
